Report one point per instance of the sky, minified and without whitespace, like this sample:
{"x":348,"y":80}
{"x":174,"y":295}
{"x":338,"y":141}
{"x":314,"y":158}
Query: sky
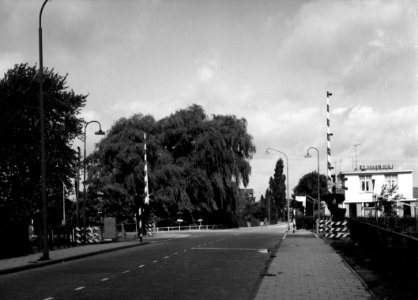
{"x":268,"y":61}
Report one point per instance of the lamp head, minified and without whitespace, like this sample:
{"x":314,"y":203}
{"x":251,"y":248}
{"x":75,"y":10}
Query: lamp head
{"x":307,"y":155}
{"x":100,"y":132}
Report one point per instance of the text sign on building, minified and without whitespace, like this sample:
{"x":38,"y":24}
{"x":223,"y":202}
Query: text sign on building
{"x":375,"y":167}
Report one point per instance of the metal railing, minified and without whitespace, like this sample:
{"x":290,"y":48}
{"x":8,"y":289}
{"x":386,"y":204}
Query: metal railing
{"x":391,"y":248}
{"x":63,"y":236}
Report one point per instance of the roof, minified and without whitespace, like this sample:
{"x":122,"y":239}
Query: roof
{"x":377,"y":172}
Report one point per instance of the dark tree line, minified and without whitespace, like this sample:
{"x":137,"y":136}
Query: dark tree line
{"x":196,"y":164}
{"x":20,"y":145}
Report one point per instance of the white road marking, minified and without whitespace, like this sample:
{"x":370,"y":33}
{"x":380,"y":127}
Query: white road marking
{"x":165,"y":257}
{"x":155,"y":261}
{"x":104,"y":279}
{"x":127,"y":271}
{"x":233,"y":249}
{"x":175,"y":253}
{"x":49,"y":298}
{"x":141,"y":266}
{"x":79,"y":288}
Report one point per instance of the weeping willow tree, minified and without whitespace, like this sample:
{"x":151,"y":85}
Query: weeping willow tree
{"x":195,"y":166}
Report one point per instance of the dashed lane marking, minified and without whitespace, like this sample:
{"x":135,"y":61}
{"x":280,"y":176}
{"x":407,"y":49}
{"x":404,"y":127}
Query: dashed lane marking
{"x":233,"y":249}
{"x":104,"y":279}
{"x":49,"y":298}
{"x":79,"y":288}
{"x":141,"y":266}
{"x":165,"y":257}
{"x":124,"y":272}
{"x":155,"y":261}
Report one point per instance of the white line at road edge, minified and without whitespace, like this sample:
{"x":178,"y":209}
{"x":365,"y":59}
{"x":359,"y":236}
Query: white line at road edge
{"x":284,"y":236}
{"x":104,"y":279}
{"x":233,"y":249}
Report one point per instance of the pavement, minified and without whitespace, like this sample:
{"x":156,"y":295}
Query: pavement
{"x":304,"y":267}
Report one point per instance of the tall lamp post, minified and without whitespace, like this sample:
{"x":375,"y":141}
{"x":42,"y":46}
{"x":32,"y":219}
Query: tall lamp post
{"x":319,"y":199}
{"x":99,"y":132}
{"x":45,"y":255}
{"x":287,"y":178}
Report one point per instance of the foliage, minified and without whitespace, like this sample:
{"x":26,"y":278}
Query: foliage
{"x":308,"y":186}
{"x":20,"y":146}
{"x":195,"y":166}
{"x":275,"y":195}
{"x":387,"y":200}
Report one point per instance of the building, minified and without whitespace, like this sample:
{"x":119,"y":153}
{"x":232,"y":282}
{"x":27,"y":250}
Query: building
{"x":364,"y":185}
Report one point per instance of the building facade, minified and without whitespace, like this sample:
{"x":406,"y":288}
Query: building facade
{"x":365,"y":185}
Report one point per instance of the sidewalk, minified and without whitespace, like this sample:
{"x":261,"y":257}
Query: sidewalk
{"x":305,"y":267}
{"x":15,"y":264}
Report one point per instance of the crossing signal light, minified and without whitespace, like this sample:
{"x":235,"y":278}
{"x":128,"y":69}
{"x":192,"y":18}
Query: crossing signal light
{"x":342,"y":179}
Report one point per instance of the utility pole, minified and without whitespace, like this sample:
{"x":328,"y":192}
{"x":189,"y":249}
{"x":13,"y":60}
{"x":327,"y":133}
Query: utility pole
{"x":355,"y":156}
{"x":77,"y":190}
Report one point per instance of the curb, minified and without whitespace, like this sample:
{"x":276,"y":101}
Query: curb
{"x":40,"y":264}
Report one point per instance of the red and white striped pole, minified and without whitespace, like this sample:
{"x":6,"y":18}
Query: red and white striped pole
{"x":146,"y":191}
{"x":329,"y":165}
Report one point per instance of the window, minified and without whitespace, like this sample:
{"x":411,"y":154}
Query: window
{"x":366,"y":183}
{"x":391,"y":181}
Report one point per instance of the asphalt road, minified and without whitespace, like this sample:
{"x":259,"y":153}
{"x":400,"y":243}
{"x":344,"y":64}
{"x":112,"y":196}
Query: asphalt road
{"x":208,"y":265}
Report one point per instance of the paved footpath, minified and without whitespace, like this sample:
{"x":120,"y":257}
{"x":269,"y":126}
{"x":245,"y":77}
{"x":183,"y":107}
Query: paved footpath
{"x":305,"y":267}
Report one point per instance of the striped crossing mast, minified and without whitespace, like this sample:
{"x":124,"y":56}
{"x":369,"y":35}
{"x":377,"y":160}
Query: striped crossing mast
{"x":146,"y":192}
{"x":329,"y":134}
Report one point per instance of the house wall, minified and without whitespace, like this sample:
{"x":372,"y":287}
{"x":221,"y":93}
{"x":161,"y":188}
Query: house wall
{"x":361,"y":203}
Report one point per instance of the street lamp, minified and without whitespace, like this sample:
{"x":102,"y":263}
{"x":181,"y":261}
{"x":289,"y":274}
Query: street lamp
{"x":287,"y":177}
{"x":100,"y":132}
{"x":319,"y":199}
{"x":45,"y":255}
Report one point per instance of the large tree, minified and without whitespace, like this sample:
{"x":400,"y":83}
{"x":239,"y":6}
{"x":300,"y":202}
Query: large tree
{"x":276,"y":193}
{"x":308,"y":186}
{"x":20,"y":142}
{"x":195,"y":163}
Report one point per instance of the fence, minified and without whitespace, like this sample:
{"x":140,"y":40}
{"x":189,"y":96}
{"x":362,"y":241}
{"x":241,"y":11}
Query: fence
{"x":393,"y":249}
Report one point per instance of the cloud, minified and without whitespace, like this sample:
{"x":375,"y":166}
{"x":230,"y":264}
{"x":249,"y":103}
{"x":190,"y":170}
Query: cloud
{"x":8,"y":60}
{"x":354,"y":47}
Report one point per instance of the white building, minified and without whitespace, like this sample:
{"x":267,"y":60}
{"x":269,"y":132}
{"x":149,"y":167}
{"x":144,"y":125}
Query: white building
{"x":364,"y":185}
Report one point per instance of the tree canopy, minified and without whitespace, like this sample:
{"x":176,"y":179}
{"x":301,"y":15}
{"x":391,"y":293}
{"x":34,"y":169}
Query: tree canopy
{"x":275,"y":197}
{"x":308,"y":186}
{"x":20,"y":146}
{"x":195,"y":166}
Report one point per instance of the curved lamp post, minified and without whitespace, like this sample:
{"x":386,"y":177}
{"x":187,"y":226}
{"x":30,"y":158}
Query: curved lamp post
{"x":45,"y":255}
{"x":99,"y":132}
{"x":319,"y":199}
{"x":287,"y":178}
